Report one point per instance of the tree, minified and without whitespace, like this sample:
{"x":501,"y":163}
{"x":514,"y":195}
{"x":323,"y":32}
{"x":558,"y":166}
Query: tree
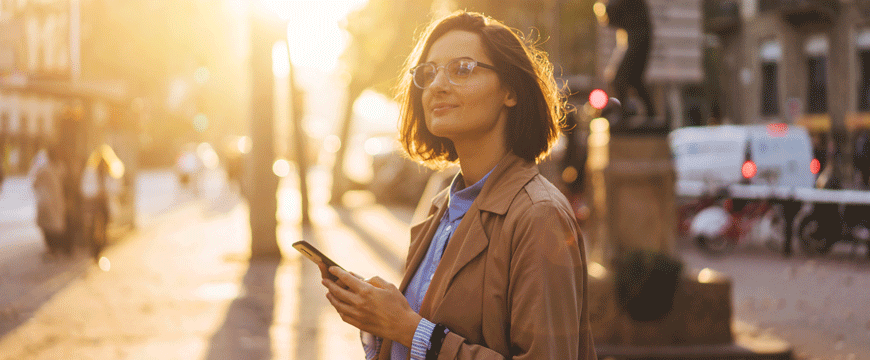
{"x":379,"y":44}
{"x":153,"y":45}
{"x":566,"y":28}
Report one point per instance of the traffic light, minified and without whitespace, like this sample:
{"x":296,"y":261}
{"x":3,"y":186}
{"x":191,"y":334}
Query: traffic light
{"x":598,"y":99}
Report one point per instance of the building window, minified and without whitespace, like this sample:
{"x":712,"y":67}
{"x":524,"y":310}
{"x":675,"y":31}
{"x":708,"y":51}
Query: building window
{"x":817,"y":89}
{"x":862,"y":44}
{"x":769,"y":93}
{"x":816,"y":50}
{"x":770,"y":53}
{"x":864,"y":87}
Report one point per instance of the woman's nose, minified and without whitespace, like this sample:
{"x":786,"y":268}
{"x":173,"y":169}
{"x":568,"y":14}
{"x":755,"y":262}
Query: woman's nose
{"x":440,"y":81}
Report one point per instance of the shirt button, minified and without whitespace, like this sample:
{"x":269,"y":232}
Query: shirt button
{"x":431,"y":276}
{"x":449,"y":227}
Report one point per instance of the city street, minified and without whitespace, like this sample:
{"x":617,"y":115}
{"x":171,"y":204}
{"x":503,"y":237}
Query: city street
{"x":819,"y":305}
{"x":181,"y":286}
{"x":29,"y":276}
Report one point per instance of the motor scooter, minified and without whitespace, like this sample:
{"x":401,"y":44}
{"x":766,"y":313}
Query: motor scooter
{"x":717,"y":229}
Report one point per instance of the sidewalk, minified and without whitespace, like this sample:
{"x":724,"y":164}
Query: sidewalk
{"x":183,"y":288}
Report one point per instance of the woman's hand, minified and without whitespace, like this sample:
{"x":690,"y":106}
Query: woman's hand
{"x":374,"y":306}
{"x":324,"y":274}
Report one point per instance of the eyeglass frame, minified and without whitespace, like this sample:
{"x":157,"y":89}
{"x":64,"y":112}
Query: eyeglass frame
{"x":476,"y":63}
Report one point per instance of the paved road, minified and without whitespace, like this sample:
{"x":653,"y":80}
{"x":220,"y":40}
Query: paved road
{"x":182,"y":288}
{"x":30,"y":277}
{"x":821,"y":305}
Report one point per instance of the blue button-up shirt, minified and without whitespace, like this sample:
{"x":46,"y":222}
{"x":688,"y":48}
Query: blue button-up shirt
{"x":459,"y":202}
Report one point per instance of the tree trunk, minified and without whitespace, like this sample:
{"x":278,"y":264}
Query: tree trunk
{"x":296,"y":113}
{"x":263,"y":202}
{"x":340,"y":182}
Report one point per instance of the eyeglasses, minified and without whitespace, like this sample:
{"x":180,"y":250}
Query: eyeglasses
{"x":458,"y":71}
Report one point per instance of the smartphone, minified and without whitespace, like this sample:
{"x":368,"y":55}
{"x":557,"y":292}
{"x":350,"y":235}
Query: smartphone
{"x":315,"y":255}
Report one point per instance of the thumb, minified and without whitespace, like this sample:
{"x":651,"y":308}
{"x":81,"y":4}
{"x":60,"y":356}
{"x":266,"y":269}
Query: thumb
{"x":356,"y":275}
{"x":376,"y":281}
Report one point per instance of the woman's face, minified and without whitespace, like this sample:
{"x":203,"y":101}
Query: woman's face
{"x":473,"y":111}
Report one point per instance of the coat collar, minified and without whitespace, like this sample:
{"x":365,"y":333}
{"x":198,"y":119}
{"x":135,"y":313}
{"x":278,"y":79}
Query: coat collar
{"x":509,"y":176}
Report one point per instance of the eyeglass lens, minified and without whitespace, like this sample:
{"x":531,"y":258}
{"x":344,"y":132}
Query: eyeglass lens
{"x":457,"y":72}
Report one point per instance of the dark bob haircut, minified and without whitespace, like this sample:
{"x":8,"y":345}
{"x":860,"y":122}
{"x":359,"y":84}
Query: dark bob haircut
{"x":533,"y":125}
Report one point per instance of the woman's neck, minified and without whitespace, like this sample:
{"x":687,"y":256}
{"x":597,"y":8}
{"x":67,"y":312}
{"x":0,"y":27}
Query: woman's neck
{"x":478,"y":158}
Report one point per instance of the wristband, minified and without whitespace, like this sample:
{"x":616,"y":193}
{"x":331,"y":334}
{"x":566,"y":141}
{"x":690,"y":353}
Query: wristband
{"x":436,"y":341}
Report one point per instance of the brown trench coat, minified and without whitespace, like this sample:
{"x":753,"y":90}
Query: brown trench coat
{"x":512,"y":281}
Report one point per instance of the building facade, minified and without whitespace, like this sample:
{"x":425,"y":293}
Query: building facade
{"x":35,"y":41}
{"x":804,"y":62}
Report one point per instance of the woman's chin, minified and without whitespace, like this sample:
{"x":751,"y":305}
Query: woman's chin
{"x":441,"y":129}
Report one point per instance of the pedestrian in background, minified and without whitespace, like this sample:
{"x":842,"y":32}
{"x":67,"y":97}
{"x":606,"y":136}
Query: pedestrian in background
{"x":498,"y":269}
{"x":48,"y":173}
{"x":861,"y":157}
{"x":2,"y":161}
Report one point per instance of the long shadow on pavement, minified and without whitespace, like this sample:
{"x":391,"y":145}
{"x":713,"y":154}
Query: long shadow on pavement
{"x":312,"y":304}
{"x":382,"y":251}
{"x":245,"y":331}
{"x":31,"y":281}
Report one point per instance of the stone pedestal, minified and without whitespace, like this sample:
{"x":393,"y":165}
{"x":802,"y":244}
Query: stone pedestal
{"x":640,"y":199}
{"x":631,"y":193}
{"x":701,"y":314}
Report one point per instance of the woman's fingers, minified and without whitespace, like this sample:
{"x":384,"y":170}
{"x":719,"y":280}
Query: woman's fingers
{"x":377,"y":282}
{"x":352,"y":282}
{"x":356,"y":275}
{"x":344,"y":294}
{"x":346,"y":311}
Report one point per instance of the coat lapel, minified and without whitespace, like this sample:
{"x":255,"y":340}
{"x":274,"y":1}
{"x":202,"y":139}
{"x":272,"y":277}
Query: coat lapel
{"x":469,"y":240}
{"x":421,"y":238}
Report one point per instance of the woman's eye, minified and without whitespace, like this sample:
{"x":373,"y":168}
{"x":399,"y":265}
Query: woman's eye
{"x":428,"y":75}
{"x":464,"y":69}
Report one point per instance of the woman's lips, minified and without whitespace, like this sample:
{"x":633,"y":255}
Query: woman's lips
{"x":441,"y":109}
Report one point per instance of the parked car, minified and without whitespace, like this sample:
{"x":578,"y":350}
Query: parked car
{"x":395,"y":178}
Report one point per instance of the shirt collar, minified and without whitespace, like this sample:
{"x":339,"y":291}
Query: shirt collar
{"x":460,"y":201}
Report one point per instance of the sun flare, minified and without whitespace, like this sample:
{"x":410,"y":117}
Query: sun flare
{"x":316,"y":39}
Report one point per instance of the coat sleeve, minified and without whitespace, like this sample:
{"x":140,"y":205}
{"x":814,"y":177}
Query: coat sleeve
{"x":546,"y":290}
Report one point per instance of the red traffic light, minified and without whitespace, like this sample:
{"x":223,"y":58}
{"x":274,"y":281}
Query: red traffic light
{"x":749,"y":169}
{"x":598,"y":99}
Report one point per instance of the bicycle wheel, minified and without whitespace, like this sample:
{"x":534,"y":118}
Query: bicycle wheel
{"x":815,"y":237}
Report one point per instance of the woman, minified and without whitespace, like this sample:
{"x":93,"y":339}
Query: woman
{"x":498,"y":269}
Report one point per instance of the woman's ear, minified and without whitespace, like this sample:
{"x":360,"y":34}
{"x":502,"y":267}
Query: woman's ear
{"x":510,"y":99}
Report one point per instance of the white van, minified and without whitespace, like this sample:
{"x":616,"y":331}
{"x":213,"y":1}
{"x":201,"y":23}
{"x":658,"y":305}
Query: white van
{"x":711,"y":157}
